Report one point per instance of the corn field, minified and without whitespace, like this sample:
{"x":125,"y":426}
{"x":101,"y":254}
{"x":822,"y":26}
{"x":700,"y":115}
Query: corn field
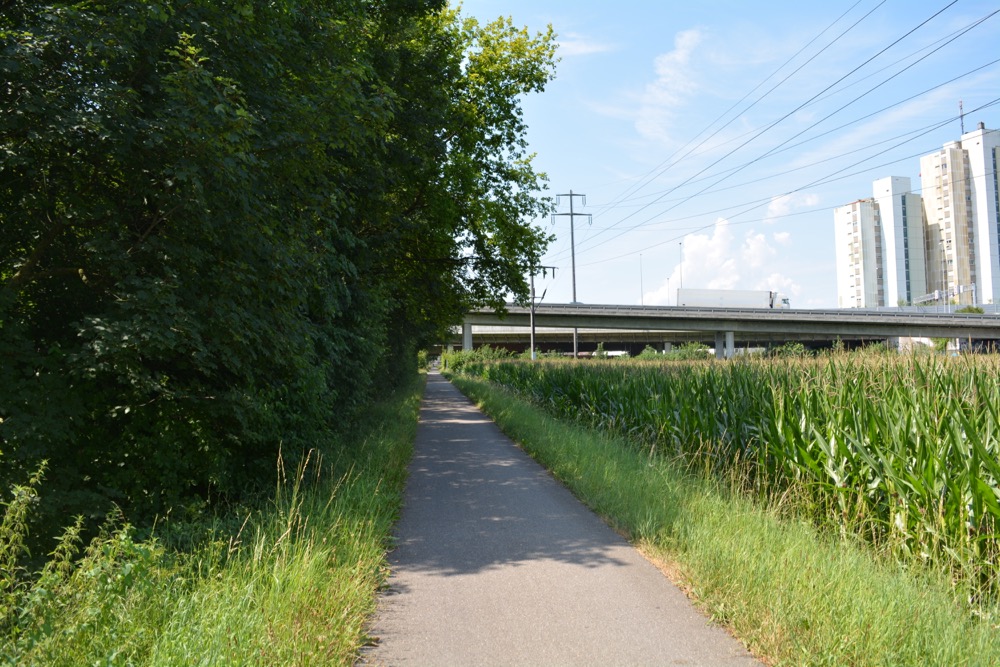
{"x":904,"y":452}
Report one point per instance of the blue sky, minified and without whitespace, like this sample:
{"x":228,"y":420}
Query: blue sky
{"x":725,"y":132}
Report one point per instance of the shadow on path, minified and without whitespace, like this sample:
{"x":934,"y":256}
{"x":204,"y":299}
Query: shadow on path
{"x":497,"y":564}
{"x":475,"y":502}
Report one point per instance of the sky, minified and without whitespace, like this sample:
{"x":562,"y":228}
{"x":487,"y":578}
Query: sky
{"x":713,"y":139}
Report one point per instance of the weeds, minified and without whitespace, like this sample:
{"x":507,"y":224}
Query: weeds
{"x":291,"y":581}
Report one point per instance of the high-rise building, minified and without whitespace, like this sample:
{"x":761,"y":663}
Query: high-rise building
{"x":947,"y":195}
{"x":982,"y":147}
{"x":859,"y":255}
{"x":944,"y":246}
{"x":903,"y":245}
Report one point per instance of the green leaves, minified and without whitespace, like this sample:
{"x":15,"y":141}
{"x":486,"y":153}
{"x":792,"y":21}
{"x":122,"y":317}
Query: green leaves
{"x":227,"y":226}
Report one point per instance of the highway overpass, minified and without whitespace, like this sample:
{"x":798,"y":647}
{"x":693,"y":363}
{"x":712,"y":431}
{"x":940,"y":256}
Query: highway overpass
{"x":734,"y":326}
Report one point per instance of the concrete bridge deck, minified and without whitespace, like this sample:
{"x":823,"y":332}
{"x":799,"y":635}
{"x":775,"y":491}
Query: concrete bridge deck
{"x":733,"y":325}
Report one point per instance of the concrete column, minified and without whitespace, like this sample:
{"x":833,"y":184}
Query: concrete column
{"x":466,"y":336}
{"x":720,"y":345}
{"x":730,"y":345}
{"x":667,"y":347}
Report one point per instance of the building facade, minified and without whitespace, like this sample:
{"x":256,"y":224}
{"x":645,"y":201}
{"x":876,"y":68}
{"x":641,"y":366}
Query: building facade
{"x":903,"y":243}
{"x":859,"y":255}
{"x":982,"y":146}
{"x":947,"y":195}
{"x":942,"y":246}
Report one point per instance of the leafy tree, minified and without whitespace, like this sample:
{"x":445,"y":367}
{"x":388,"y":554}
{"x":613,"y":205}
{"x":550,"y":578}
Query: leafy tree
{"x":226,"y":224}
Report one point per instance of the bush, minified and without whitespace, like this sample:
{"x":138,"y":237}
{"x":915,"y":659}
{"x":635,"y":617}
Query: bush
{"x":456,"y":361}
{"x":689,"y":352}
{"x":791,"y":349}
{"x":649,"y":352}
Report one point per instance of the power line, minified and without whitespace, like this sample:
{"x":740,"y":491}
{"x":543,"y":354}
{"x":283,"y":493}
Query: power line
{"x":646,"y":179}
{"x":870,"y":90}
{"x":732,"y":172}
{"x":814,"y":137}
{"x":796,"y":109}
{"x":914,"y":134}
{"x":753,"y":205}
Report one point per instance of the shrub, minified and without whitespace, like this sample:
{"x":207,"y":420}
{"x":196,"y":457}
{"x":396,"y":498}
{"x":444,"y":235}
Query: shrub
{"x":689,"y":352}
{"x":649,"y":352}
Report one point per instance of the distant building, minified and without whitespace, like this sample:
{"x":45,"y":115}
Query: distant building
{"x":859,"y":255}
{"x":903,"y":244}
{"x":951,"y":257}
{"x":983,"y":149}
{"x":942,"y":247}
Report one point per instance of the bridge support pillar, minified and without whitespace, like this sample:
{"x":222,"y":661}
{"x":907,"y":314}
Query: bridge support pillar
{"x":466,"y":337}
{"x":725,"y":344}
{"x":667,"y":347}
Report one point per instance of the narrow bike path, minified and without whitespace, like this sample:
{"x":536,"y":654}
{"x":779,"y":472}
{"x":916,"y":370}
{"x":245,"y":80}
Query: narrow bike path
{"x":498,"y":564}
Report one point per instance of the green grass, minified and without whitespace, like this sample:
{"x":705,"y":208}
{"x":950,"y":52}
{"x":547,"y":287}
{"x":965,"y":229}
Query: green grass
{"x":292,"y":584}
{"x":793,"y":594}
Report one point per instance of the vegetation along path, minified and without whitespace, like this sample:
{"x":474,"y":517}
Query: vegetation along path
{"x":497,"y":564}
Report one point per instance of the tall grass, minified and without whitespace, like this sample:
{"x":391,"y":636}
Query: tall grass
{"x":290,"y":582}
{"x":904,"y":451}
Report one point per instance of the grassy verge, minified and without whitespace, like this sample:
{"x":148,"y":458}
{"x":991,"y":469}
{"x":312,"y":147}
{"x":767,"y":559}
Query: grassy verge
{"x":792,"y":595}
{"x":293,"y":585}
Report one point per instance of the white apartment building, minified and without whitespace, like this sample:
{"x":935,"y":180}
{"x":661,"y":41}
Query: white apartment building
{"x":859,"y":255}
{"x":944,"y":246}
{"x":901,"y":220}
{"x":947,"y":195}
{"x":983,"y":149}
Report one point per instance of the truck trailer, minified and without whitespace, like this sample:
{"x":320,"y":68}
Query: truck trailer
{"x":731,"y":298}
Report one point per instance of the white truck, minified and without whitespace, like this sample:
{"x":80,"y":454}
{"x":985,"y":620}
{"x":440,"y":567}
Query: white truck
{"x":731,"y":298}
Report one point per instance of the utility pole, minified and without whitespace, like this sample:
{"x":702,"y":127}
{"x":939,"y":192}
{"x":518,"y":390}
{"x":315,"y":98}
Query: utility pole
{"x":680,"y":263}
{"x":641,"y":295}
{"x":534,"y":271}
{"x":572,"y":250}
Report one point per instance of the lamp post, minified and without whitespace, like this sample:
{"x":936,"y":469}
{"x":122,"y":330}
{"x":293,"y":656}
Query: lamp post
{"x":680,"y":263}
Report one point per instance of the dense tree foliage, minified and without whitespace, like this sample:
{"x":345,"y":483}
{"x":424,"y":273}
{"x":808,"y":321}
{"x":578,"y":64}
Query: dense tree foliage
{"x":225,"y":223}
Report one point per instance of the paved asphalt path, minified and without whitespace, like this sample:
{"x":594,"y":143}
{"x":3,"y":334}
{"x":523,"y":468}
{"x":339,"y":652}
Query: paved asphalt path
{"x":498,"y":564}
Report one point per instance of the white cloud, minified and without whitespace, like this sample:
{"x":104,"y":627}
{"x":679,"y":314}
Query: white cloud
{"x":674,"y":85}
{"x":784,"y":238}
{"x":579,"y":45}
{"x":781,"y":283}
{"x":785,"y":204}
{"x":756,"y":251}
{"x":721,"y":260}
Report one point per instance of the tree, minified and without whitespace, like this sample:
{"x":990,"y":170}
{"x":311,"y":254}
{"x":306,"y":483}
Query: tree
{"x":226,"y":225}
